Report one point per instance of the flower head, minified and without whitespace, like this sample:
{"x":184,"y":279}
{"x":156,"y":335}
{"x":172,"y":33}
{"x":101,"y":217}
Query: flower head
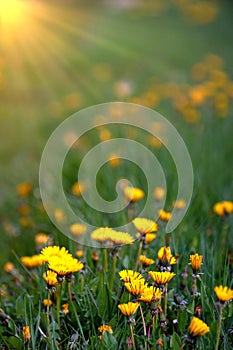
{"x":196,"y":262}
{"x":24,"y":189}
{"x":161,"y":278}
{"x":223,"y":293}
{"x":50,"y":278}
{"x":104,"y":328}
{"x":54,"y":251}
{"x":102,"y":234}
{"x":146,"y":261}
{"x":47,"y":302}
{"x":223,"y":208}
{"x":65,"y":308}
{"x":32,"y":261}
{"x":145,"y":226}
{"x":8,"y":267}
{"x":150,"y":237}
{"x":164,"y":215}
{"x":165,"y":257}
{"x":159,"y":193}
{"x":133,"y":194}
{"x":78,"y":229}
{"x":26,"y":333}
{"x":129,"y":275}
{"x":179,"y":204}
{"x":77,"y":189}
{"x":150,"y":294}
{"x":128,"y":309}
{"x":41,"y":239}
{"x":198,"y":328}
{"x":136,"y":286}
{"x":66,"y":266}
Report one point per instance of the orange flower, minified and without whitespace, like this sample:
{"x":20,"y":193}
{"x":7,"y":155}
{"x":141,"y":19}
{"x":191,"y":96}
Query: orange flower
{"x":24,"y":189}
{"x":198,"y":328}
{"x":26,"y":333}
{"x":196,"y":262}
{"x":65,"y":308}
{"x":133,"y":194}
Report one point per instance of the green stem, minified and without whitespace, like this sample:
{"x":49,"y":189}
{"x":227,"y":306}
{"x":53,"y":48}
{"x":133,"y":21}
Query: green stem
{"x":47,"y":310}
{"x":138,"y":255}
{"x":143,"y":320}
{"x":219,"y":328}
{"x":111,"y":282}
{"x":132,"y":336}
{"x":59,"y":306}
{"x":81,"y":283}
{"x":105,"y":258}
{"x":69,"y":291}
{"x":165,"y":301}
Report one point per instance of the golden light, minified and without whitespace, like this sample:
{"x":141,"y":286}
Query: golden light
{"x":12,"y":13}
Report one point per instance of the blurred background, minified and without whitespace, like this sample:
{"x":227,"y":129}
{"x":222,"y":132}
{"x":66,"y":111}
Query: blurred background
{"x":57,"y":57}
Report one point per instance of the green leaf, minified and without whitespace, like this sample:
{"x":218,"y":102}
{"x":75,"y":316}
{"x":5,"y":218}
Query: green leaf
{"x":175,"y":342}
{"x":15,"y":343}
{"x":20,"y":306}
{"x":108,"y":342}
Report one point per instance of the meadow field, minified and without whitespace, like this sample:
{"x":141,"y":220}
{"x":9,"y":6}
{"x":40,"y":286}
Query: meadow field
{"x":86,"y":284}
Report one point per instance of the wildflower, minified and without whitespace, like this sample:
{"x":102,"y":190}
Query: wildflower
{"x":26,"y":333}
{"x":47,"y":302}
{"x":164,"y":215}
{"x":133,"y":194}
{"x":129,"y":275}
{"x":104,"y":328}
{"x":114,"y":160}
{"x":180,"y":204}
{"x":128,"y":309}
{"x":77,"y":189}
{"x":136,"y":286}
{"x":50,"y":278}
{"x":32,"y":261}
{"x":120,"y":238}
{"x":145,"y":226}
{"x":79,"y":253}
{"x":150,"y":237}
{"x":150,"y":294}
{"x":102,"y":234}
{"x":54,"y":251}
{"x":23,"y":209}
{"x":166,"y":259}
{"x":195,"y":262}
{"x":24,"y":189}
{"x":146,"y":261}
{"x":198,"y":328}
{"x":66,"y":266}
{"x":59,"y":216}
{"x":41,"y":239}
{"x":159,"y":193}
{"x":65,"y":308}
{"x":8,"y":267}
{"x":161,"y":278}
{"x":78,"y":229}
{"x":223,"y":293}
{"x":223,"y":208}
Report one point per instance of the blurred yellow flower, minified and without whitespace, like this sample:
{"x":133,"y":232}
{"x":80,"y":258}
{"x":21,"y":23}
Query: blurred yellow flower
{"x":104,"y":328}
{"x":102,"y":234}
{"x":41,"y":239}
{"x":24,"y":189}
{"x":47,"y":302}
{"x":161,"y":278}
{"x":120,"y":238}
{"x":128,"y":309}
{"x":78,"y":229}
{"x":196,"y":262}
{"x":198,"y":328}
{"x":180,"y":204}
{"x":65,"y":308}
{"x":8,"y":267}
{"x":149,"y":237}
{"x":26,"y":333}
{"x":78,"y":188}
{"x":159,"y":193}
{"x":164,"y":215}
{"x":114,"y":160}
{"x":32,"y":261}
{"x":223,"y":293}
{"x":59,"y":216}
{"x":50,"y":278}
{"x":145,"y":226}
{"x":223,"y":208}
{"x":133,"y":194}
{"x":79,"y":253}
{"x":146,"y":261}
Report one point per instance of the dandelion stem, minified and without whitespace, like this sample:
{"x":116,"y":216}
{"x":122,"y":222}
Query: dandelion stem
{"x":138,"y":256}
{"x":105,"y":259}
{"x":47,"y":310}
{"x":219,"y":327}
{"x":165,"y":301}
{"x":132,"y":336}
{"x":69,"y":291}
{"x":59,"y":305}
{"x":114,"y":262}
{"x":143,"y":320}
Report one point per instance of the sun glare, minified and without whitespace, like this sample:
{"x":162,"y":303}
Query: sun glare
{"x":12,"y":13}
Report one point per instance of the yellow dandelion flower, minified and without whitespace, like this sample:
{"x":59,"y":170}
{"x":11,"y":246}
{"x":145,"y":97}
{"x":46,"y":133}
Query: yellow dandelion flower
{"x":79,"y":253}
{"x":150,"y":294}
{"x":65,"y":266}
{"x":102,"y":234}
{"x":41,"y":239}
{"x":129,"y":275}
{"x":114,"y":160}
{"x":164,"y":215}
{"x":133,"y":194}
{"x":8,"y":267}
{"x":47,"y":302}
{"x":104,"y":328}
{"x":128,"y":309}
{"x":146,"y":261}
{"x":32,"y":261}
{"x":159,"y":193}
{"x":161,"y":278}
{"x":24,"y":189}
{"x":145,"y":226}
{"x":198,"y":328}
{"x":26,"y":333}
{"x":120,"y":238}
{"x":59,"y":216}
{"x":180,"y":204}
{"x":78,"y":229}
{"x":136,"y":286}
{"x":165,"y":256}
{"x":195,"y":262}
{"x":223,"y":208}
{"x":223,"y":293}
{"x":65,"y":308}
{"x":54,"y":251}
{"x":77,"y":188}
{"x":150,"y":237}
{"x":50,"y":278}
